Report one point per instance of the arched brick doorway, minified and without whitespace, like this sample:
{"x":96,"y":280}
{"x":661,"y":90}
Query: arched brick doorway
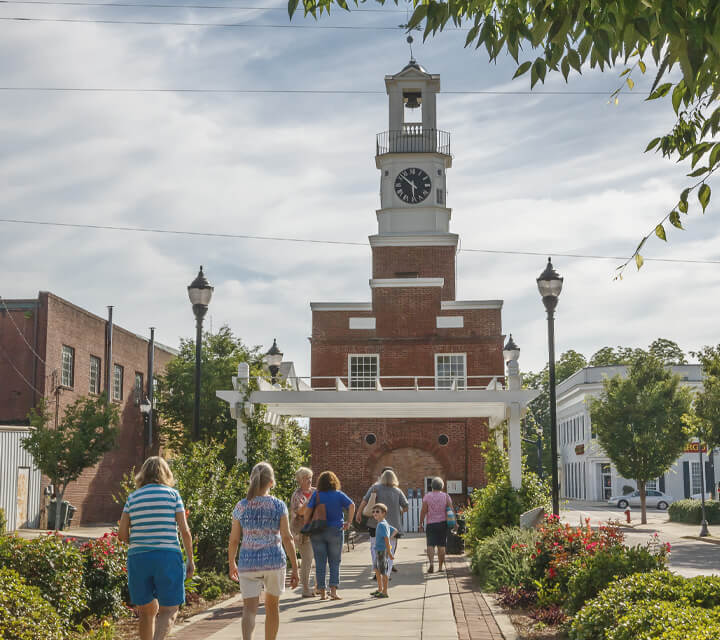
{"x":412,"y":466}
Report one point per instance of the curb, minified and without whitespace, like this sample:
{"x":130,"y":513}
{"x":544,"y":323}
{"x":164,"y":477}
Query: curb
{"x":706,"y":539}
{"x":507,"y":628}
{"x":199,"y":617}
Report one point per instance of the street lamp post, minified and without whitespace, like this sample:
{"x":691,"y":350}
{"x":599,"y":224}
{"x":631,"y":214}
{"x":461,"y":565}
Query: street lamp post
{"x":200,"y":292}
{"x":550,"y":285}
{"x":704,"y":524}
{"x":273,"y":360}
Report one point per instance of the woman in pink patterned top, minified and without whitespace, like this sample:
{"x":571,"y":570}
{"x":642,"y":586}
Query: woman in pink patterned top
{"x":434,"y":510}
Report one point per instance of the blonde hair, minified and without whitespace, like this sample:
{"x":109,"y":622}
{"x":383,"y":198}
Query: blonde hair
{"x":381,"y":506}
{"x":388,"y":478}
{"x":154,"y":471}
{"x":261,"y":476}
{"x":302,"y":472}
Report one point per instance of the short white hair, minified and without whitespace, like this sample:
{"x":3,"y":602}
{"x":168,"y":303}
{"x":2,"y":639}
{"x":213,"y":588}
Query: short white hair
{"x":303,"y":472}
{"x":437,"y":484}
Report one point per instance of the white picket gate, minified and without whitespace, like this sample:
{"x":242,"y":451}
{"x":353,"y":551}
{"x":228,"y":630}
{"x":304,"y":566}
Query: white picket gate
{"x":411,"y":519}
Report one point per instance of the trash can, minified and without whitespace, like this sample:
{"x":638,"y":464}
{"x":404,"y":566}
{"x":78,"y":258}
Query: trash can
{"x":67,"y":511}
{"x":455,"y":539}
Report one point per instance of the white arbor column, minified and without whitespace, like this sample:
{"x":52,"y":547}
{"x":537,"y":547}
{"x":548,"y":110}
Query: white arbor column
{"x":515,"y":445}
{"x":241,"y":384}
{"x":514,"y":434}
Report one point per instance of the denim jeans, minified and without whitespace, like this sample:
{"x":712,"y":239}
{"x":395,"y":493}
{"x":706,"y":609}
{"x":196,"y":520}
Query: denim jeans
{"x":327,"y":548}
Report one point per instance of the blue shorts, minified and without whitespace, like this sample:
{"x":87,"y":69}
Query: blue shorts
{"x":156,"y":574}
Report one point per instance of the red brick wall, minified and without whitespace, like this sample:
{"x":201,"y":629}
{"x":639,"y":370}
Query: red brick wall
{"x":427,"y":262}
{"x":406,"y":340}
{"x":410,"y":446}
{"x":17,"y":361}
{"x":62,"y":323}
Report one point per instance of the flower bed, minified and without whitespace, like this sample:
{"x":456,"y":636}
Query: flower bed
{"x":557,"y":568}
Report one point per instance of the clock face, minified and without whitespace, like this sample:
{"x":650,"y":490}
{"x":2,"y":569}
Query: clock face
{"x":412,"y":185}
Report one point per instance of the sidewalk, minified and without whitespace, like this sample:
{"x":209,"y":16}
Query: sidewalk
{"x":88,"y":532}
{"x":419,"y":607}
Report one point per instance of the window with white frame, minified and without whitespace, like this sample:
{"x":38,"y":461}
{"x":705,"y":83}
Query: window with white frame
{"x":68,"y":366}
{"x":94,"y":374}
{"x":651,"y":485}
{"x":449,"y":368}
{"x":363,"y":371}
{"x":139,"y":394}
{"x":695,"y":478}
{"x":118,"y":374}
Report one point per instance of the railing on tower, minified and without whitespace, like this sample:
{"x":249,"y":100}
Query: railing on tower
{"x":412,"y":138}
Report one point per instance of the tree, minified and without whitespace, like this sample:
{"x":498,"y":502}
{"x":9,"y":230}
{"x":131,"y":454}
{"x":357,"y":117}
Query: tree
{"x":291,"y":452}
{"x":563,"y":35}
{"x":667,"y":351}
{"x":221,"y":354}
{"x":706,"y":407}
{"x":87,"y":430}
{"x":639,"y":421}
{"x":538,"y":417}
{"x":612,"y":356}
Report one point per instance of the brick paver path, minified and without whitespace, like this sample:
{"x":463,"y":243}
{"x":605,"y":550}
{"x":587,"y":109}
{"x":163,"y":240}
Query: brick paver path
{"x":473,"y":617}
{"x":419,"y":607}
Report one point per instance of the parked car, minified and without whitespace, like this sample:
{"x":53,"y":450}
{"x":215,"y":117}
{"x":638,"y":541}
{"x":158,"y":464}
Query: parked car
{"x":652,"y":499}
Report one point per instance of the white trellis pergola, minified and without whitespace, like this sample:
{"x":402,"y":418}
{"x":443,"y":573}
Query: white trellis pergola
{"x":398,"y":397}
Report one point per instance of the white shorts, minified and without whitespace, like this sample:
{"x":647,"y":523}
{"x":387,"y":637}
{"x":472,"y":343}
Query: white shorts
{"x":251,"y":582}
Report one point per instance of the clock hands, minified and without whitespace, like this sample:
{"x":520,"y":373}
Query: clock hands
{"x":410,"y":182}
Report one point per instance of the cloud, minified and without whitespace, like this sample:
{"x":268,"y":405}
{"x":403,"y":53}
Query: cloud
{"x":545,"y":173}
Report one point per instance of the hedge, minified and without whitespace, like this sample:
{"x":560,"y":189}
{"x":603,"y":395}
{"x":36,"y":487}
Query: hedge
{"x":600,"y":616}
{"x":660,"y":620}
{"x":24,"y":613}
{"x":690,"y":511}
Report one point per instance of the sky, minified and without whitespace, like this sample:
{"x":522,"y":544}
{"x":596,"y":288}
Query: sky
{"x":548,"y":174}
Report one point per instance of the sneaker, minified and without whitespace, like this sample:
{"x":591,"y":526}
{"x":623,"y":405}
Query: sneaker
{"x":374,"y":593}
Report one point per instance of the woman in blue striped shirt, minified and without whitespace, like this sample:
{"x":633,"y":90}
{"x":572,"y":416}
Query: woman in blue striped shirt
{"x":156,"y":573}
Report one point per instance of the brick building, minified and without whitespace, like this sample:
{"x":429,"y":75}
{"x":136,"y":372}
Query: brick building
{"x":413,"y":325}
{"x":53,"y":350}
{"x":414,"y":378}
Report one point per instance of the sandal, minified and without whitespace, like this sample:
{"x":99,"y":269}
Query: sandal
{"x":431,"y":569}
{"x":335,"y":597}
{"x":380,"y":594}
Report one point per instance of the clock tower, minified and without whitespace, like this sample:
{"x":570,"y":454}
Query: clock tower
{"x":413,"y":156}
{"x":413,"y":339}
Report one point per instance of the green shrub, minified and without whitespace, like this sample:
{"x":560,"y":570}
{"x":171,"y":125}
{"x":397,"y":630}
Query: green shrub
{"x":504,"y":559}
{"x":211,"y":593}
{"x":690,"y":511}
{"x":657,"y":619}
{"x":54,"y":565}
{"x":207,"y":579}
{"x":594,"y":572}
{"x":600,"y":615}
{"x":3,"y":522}
{"x":24,"y":613}
{"x":210,"y":493}
{"x":105,"y":575}
{"x":499,"y":505}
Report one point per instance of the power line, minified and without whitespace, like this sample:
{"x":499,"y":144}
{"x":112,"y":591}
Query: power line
{"x":20,"y":333}
{"x":12,"y":364}
{"x":223,"y":25}
{"x":174,"y":6}
{"x":208,"y":234}
{"x":305,"y":91}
